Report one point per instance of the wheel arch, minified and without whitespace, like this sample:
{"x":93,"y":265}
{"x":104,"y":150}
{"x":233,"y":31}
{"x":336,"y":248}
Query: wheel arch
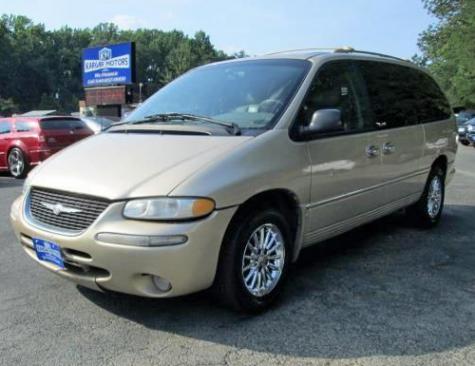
{"x":21,"y":148}
{"x":441,"y":162}
{"x":286,"y":202}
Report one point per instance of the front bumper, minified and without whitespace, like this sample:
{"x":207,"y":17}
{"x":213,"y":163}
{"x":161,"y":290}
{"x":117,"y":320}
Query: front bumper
{"x":189,"y":267}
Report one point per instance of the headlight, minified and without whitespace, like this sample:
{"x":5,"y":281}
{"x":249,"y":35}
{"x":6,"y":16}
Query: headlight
{"x":168,"y":208}
{"x":470,"y":128}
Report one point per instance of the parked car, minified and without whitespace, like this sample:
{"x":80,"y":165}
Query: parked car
{"x":464,"y":116}
{"x":27,"y":141}
{"x":97,"y":123}
{"x":466,"y":133}
{"x":225,"y":174}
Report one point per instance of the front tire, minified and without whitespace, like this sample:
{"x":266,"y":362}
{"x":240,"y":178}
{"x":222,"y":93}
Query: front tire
{"x":17,"y":164}
{"x":427,"y":211}
{"x":254,"y":260}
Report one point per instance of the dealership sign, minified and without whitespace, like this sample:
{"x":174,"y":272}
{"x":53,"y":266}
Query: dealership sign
{"x":109,"y":65}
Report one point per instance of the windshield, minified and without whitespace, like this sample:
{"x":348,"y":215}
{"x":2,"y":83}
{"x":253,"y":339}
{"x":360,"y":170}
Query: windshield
{"x":251,"y":94}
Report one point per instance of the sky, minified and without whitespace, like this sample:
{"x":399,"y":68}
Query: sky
{"x":255,"y":26}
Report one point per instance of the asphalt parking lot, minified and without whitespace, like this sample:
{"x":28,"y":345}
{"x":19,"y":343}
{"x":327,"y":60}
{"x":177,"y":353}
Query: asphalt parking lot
{"x":384,"y":294}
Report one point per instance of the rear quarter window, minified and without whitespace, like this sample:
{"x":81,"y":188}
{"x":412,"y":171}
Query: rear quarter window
{"x":24,"y":126}
{"x":62,"y":124}
{"x":432,"y":105}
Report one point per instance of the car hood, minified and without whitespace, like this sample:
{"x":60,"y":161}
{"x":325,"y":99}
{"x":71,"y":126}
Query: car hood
{"x":117,"y":166}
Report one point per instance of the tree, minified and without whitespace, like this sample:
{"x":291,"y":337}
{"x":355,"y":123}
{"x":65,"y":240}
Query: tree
{"x":7,"y":107}
{"x":448,"y":50}
{"x":42,"y":69}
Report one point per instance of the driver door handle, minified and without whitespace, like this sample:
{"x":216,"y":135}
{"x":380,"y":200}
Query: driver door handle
{"x":388,"y":148}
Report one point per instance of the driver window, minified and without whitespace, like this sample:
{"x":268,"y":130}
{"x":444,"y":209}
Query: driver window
{"x":333,"y":88}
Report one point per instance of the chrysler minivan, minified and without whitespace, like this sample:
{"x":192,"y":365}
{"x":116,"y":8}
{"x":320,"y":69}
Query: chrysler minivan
{"x":223,"y":176}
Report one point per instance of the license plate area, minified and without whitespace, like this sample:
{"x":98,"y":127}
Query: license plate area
{"x":49,"y":252}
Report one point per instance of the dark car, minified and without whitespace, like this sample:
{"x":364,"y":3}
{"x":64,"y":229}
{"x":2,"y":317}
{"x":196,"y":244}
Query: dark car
{"x":464,"y":116}
{"x":26,"y":141}
{"x":467,"y":133}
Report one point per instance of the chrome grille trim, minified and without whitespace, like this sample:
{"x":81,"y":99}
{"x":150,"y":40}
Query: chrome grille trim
{"x":64,"y":223}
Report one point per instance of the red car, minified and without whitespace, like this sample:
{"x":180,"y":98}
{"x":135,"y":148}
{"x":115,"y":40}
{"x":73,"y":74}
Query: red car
{"x":26,"y":141}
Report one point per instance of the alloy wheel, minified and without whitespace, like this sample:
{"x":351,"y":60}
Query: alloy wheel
{"x":16,"y":163}
{"x":263,"y":260}
{"x":434,"y":197}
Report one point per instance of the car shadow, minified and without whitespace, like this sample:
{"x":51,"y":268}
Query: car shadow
{"x":382,"y":289}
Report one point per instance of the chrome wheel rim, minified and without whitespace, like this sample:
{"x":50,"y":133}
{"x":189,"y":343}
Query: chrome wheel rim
{"x":16,"y":163}
{"x":263,"y":260}
{"x":434,"y":197}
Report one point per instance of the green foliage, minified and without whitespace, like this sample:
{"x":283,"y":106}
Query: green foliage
{"x":7,"y":106}
{"x":42,"y":69}
{"x":448,"y":48}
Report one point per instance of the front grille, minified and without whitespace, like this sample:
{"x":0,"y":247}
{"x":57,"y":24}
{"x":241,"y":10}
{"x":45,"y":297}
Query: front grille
{"x":50,"y":208}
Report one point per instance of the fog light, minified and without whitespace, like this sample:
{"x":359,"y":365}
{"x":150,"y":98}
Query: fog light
{"x":161,"y":283}
{"x":141,"y":240}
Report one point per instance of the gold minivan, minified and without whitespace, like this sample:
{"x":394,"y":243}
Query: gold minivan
{"x":224,"y":175}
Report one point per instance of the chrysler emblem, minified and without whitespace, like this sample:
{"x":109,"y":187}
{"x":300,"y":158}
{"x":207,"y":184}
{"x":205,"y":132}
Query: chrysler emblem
{"x":58,"y":208}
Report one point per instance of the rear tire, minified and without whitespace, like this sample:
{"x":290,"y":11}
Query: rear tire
{"x":464,"y":143}
{"x":427,"y":211}
{"x":254,"y":260}
{"x":17,"y":163}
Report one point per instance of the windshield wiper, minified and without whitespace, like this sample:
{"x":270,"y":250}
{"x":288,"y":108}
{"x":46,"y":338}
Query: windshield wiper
{"x":232,"y":128}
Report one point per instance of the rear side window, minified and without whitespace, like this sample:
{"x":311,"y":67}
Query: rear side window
{"x":391,"y":92}
{"x":62,"y":124}
{"x":24,"y":126}
{"x":5,"y":127}
{"x":432,"y":105}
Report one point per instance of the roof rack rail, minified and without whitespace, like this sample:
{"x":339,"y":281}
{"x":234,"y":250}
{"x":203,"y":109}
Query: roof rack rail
{"x":303,"y":49}
{"x":352,"y":50}
{"x":345,"y":49}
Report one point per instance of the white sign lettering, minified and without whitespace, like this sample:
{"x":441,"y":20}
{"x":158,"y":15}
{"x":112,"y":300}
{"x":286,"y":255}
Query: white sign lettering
{"x":119,"y":62}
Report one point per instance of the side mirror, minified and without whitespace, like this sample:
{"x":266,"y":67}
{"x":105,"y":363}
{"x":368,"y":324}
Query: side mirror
{"x":323,"y":121}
